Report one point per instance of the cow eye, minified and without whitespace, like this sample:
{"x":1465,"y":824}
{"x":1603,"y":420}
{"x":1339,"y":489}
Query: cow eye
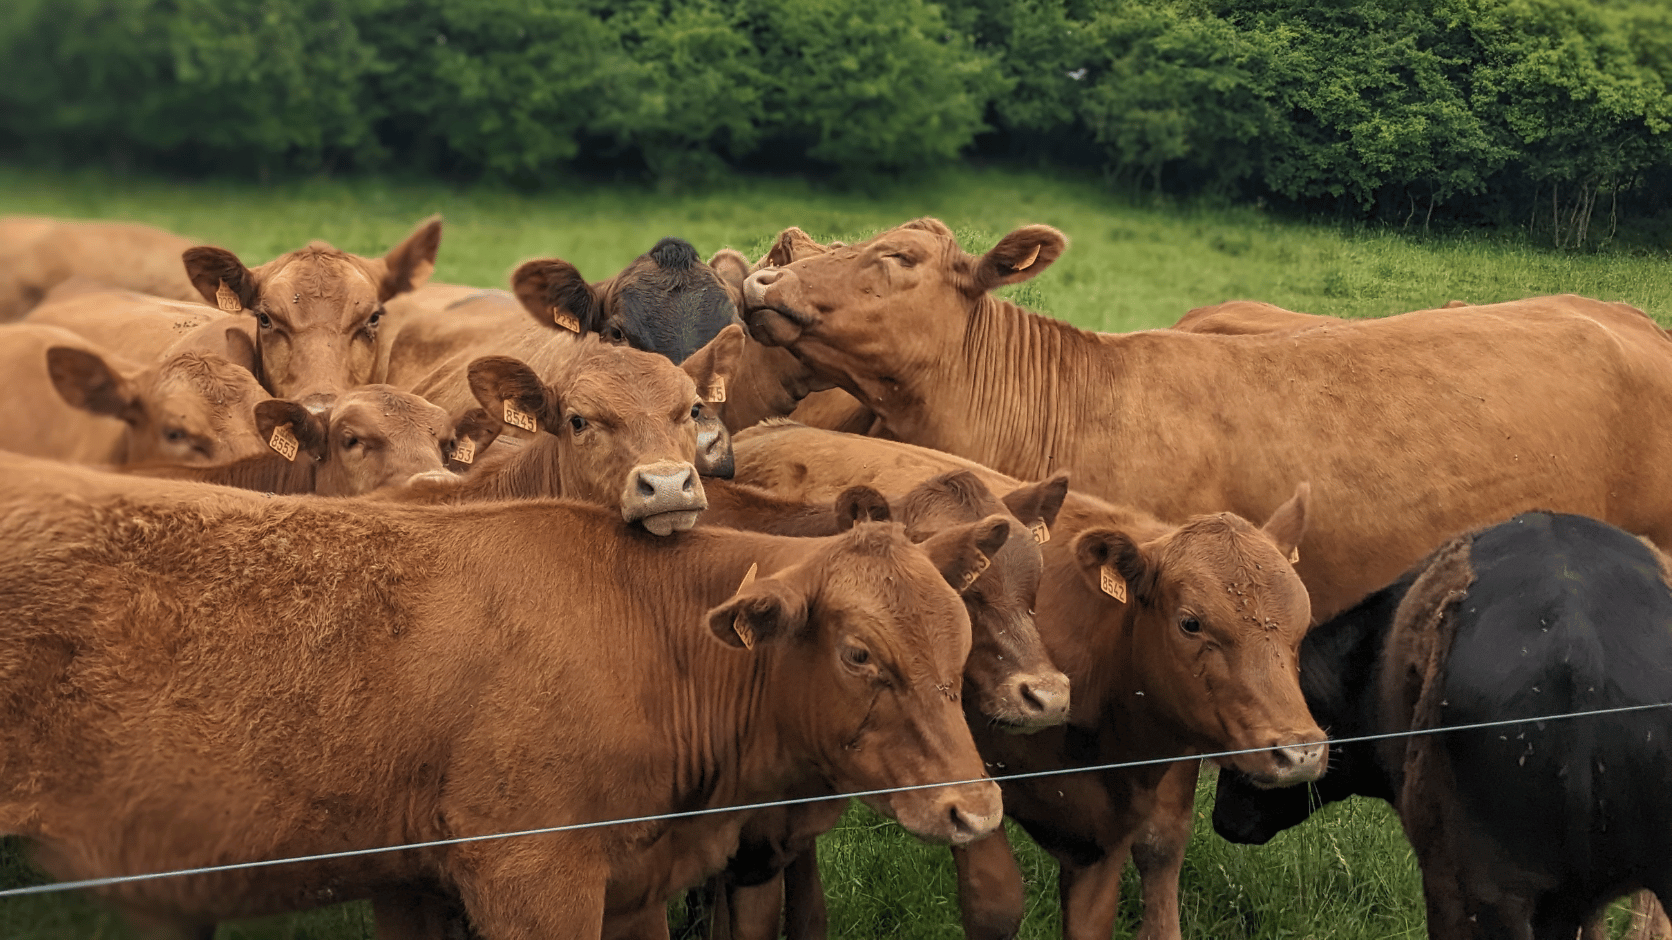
{"x":263,"y":321}
{"x":906,"y":261}
{"x":856,"y":655}
{"x":374,"y":320}
{"x":174,"y":435}
{"x":614,"y":335}
{"x":1190,"y":624}
{"x":577,"y":423}
{"x":350,"y":442}
{"x":696,"y":411}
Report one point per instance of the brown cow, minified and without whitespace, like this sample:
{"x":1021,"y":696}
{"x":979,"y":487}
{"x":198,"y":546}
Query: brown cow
{"x":394,"y":707}
{"x":1010,"y":681}
{"x":1242,"y":317}
{"x":1413,"y":426}
{"x":623,"y":432}
{"x":38,"y":254}
{"x":143,"y":327}
{"x":317,"y":309}
{"x":1148,"y":810}
{"x":65,"y":399}
{"x":373,"y":437}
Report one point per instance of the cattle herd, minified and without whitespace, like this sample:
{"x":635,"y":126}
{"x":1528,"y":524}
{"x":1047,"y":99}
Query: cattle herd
{"x":321,"y":556}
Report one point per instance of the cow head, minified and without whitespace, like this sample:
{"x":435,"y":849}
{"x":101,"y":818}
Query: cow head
{"x":667,"y":301}
{"x":1008,"y":671}
{"x":317,"y":310}
{"x":874,"y":640}
{"x":193,"y":409}
{"x":625,"y":424}
{"x":372,"y":437}
{"x":825,"y":303}
{"x":1208,"y":620}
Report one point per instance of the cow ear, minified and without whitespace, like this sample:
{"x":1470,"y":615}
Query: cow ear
{"x":1287,"y":526}
{"x":308,"y":428}
{"x":498,"y":381}
{"x":962,"y":552}
{"x":732,"y":269}
{"x":554,"y":294}
{"x":762,"y":612}
{"x":241,"y":351}
{"x":477,"y":427}
{"x":408,"y":266}
{"x":86,"y":381}
{"x":1019,"y":256}
{"x":1036,"y":505}
{"x":211,"y":269}
{"x":713,"y":366}
{"x":714,"y":446}
{"x":858,"y":504}
{"x":1112,"y":563}
{"x":792,"y":244}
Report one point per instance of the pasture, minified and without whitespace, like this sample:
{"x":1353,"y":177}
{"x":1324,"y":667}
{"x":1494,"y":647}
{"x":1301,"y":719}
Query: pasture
{"x":1348,"y":873}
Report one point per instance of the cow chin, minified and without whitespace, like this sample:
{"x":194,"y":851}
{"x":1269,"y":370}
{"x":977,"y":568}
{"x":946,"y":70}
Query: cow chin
{"x":772,"y":327}
{"x":956,"y":815}
{"x":667,"y":523}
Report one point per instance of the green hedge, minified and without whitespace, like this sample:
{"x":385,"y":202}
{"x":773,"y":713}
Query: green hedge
{"x":1542,"y":111}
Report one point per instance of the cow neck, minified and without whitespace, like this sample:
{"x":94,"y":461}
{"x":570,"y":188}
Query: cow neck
{"x":740,"y":506}
{"x":1008,"y":396}
{"x":263,"y":473}
{"x":530,"y":472}
{"x":732,"y":718}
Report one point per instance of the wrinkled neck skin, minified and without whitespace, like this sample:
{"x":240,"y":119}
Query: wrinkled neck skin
{"x":264,"y":473}
{"x":769,"y":383}
{"x":959,"y":403}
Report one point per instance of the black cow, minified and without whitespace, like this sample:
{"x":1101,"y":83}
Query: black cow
{"x":1524,"y":830}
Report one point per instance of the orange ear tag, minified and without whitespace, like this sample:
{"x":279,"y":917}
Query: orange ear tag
{"x":227,"y":300}
{"x":566,"y":320}
{"x":284,"y":441}
{"x":744,"y":633}
{"x":971,"y":575}
{"x":1041,"y":532}
{"x":1113,"y":584}
{"x":465,"y":451}
{"x":520,"y":418}
{"x":1294,"y":555}
{"x":717,"y":390}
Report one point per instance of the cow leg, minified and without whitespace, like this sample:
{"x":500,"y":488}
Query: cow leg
{"x":991,"y":894}
{"x":1158,"y":851}
{"x":532,"y":894}
{"x":417,"y":914}
{"x":1091,"y":896}
{"x":751,"y":912}
{"x":649,"y":923}
{"x":805,"y":914}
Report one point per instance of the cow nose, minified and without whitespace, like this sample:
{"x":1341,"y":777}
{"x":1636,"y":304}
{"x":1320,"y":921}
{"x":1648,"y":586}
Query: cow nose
{"x":1044,"y":699}
{"x":664,"y":496}
{"x":972,"y":816}
{"x":755,"y":288}
{"x":1300,"y":756}
{"x":714,"y":450}
{"x":652,"y":485}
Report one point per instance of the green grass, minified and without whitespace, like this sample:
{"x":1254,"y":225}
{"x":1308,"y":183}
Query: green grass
{"x":1346,"y":875}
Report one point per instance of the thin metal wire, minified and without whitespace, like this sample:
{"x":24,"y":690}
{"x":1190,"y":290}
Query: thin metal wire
{"x":663,"y":817}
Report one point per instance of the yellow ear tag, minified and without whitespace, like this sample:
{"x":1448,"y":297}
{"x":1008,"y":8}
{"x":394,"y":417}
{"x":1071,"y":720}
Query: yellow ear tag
{"x":744,"y":633}
{"x":717,"y":390}
{"x":465,"y":451}
{"x":971,"y":575}
{"x":1041,"y":532}
{"x":1294,"y":555}
{"x":520,"y":418}
{"x":748,"y":578}
{"x":566,"y":320}
{"x":227,"y":300}
{"x":1113,"y":584}
{"x":284,"y":441}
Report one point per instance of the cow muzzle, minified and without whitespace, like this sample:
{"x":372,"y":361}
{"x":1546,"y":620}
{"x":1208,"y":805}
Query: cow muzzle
{"x":1302,"y":760}
{"x":956,"y":815}
{"x":665,"y":497}
{"x":1028,"y":702}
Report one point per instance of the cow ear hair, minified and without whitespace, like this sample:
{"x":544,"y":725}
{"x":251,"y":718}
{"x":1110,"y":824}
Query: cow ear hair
{"x":1038,"y":503}
{"x":495,"y":380}
{"x":792,"y":244}
{"x":858,"y":504}
{"x":1114,"y":550}
{"x":962,"y":552}
{"x":84,"y":380}
{"x":408,"y":266}
{"x":552,"y":289}
{"x":241,"y":350}
{"x":1019,"y":256}
{"x":1287,"y":525}
{"x":765,"y":611}
{"x":209,"y":267}
{"x":714,"y":365}
{"x":732,"y":269}
{"x":309,"y":428}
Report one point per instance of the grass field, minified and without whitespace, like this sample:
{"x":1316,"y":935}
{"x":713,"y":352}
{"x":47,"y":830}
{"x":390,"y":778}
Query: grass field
{"x":1347,"y":874}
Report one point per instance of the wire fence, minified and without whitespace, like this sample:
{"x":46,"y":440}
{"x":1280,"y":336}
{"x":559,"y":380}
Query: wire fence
{"x":687,"y":814}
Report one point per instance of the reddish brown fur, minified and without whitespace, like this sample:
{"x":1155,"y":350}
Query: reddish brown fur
{"x":1412,"y":427}
{"x":144,"y":328}
{"x":197,"y":676}
{"x":1241,"y":317}
{"x":318,"y":309}
{"x":38,"y":254}
{"x":1110,"y":652}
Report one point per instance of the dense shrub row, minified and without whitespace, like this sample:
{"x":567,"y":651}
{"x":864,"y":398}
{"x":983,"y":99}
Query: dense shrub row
{"x":1552,"y":109}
